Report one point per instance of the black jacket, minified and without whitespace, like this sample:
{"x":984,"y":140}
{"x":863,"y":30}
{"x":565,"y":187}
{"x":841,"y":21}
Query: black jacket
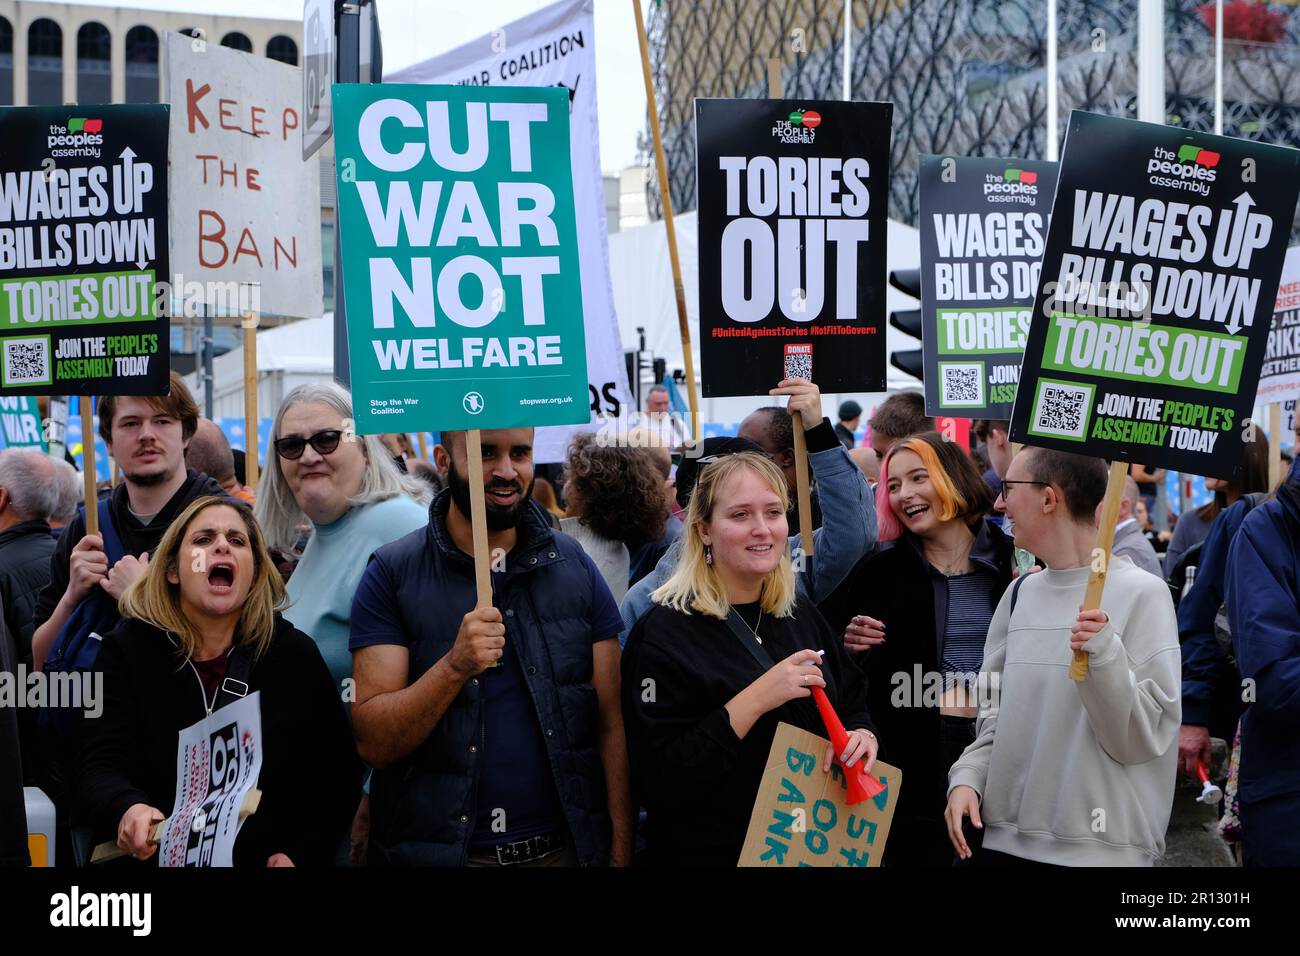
{"x":311,"y":776}
{"x":897,"y":585}
{"x":25,"y":551}
{"x":135,"y":536}
{"x":695,"y":777}
{"x":13,"y":811}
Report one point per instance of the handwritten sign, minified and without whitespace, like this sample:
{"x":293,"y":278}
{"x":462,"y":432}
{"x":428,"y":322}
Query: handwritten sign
{"x":800,"y":816}
{"x":245,"y":208}
{"x":218,"y":760}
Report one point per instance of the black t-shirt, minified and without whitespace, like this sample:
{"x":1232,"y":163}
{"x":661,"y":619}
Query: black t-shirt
{"x":695,"y":777}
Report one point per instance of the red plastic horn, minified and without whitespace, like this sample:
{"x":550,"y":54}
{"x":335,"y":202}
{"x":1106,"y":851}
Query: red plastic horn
{"x":862,"y":786}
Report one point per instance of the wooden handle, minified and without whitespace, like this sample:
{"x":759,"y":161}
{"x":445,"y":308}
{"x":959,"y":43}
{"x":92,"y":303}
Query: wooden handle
{"x":801,"y":482}
{"x":1105,"y":539}
{"x":478,"y":517}
{"x":250,"y":400}
{"x":88,"y":463}
{"x":108,"y":850}
{"x":679,"y":290}
{"x":424,"y":446}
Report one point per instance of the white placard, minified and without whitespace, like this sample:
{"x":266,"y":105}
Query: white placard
{"x":245,"y":207}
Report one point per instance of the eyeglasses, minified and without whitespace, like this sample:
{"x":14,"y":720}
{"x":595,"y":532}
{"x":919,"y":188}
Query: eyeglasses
{"x":1006,"y":490}
{"x":324,"y":443}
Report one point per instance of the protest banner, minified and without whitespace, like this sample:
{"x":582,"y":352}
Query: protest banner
{"x":983,"y":227}
{"x":1279,"y":379}
{"x":1153,"y":308}
{"x":792,"y":203}
{"x":556,"y":47}
{"x":218,"y":761}
{"x":83,"y":244}
{"x":20,"y":424}
{"x":460,"y":266}
{"x":801,"y":817}
{"x":245,"y":207}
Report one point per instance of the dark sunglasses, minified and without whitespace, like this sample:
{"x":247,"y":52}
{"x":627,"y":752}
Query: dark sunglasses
{"x":1006,"y":485}
{"x":324,"y":443}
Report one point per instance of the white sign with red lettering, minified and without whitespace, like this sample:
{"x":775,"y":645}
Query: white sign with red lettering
{"x":245,"y":207}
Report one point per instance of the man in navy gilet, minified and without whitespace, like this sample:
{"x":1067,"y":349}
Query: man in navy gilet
{"x":495,"y":734}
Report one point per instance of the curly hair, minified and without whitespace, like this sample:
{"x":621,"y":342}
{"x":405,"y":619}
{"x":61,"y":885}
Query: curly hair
{"x":617,"y":492}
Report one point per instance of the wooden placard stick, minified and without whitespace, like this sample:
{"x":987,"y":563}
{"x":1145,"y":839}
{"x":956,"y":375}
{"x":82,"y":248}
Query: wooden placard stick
{"x":84,"y":402}
{"x":679,"y":290}
{"x":1105,"y":539}
{"x":1274,"y":445}
{"x":478,"y":517}
{"x":249,"y":324}
{"x":108,"y":850}
{"x":803,"y":494}
{"x":424,"y":446}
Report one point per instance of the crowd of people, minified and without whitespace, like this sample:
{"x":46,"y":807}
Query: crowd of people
{"x":654,"y":617}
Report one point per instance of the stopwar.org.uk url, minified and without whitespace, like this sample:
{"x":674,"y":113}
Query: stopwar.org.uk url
{"x":556,"y":400}
{"x":1203,"y":923}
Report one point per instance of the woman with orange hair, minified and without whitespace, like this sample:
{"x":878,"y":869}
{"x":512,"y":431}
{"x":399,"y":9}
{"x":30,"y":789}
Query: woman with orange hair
{"x":916,"y":612}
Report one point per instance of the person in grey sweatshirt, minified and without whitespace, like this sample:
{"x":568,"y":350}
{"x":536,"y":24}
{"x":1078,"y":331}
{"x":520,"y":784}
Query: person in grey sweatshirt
{"x":1064,"y":772}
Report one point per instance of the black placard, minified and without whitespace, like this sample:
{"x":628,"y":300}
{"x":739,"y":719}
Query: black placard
{"x":83,"y":248}
{"x":793,"y":202}
{"x":983,"y":229}
{"x":1156,"y":294}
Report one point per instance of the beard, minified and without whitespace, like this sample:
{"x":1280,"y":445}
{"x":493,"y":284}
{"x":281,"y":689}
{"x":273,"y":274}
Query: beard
{"x":498,"y":518}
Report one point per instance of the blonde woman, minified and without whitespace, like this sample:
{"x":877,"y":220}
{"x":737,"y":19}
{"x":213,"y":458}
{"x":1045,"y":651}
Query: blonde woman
{"x":200,"y":628}
{"x":699,"y":709}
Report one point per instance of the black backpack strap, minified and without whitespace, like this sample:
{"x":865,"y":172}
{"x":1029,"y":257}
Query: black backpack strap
{"x":238,"y":670}
{"x":738,"y":627}
{"x":1015,"y":594}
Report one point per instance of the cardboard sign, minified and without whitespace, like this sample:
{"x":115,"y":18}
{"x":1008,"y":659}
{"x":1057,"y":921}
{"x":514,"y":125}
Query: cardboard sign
{"x":1156,"y":295}
{"x":800,"y":817}
{"x":218,"y":761}
{"x":83,"y":246}
{"x":460,"y":257}
{"x":792,"y":199}
{"x":556,"y":46}
{"x":245,"y":206}
{"x":983,"y":230}
{"x":20,"y":424}
{"x":1279,"y":379}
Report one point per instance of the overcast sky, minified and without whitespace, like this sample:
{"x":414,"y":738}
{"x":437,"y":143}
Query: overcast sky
{"x":415,"y":30}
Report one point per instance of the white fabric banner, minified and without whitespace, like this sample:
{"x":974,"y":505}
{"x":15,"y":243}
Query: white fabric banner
{"x":245,"y":208}
{"x":556,"y":46}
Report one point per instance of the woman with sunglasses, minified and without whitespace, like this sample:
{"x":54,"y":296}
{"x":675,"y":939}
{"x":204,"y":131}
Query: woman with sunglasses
{"x":348,"y":490}
{"x":916,"y":613}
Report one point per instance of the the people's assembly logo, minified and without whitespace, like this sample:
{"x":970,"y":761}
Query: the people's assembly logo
{"x":1013,"y":186}
{"x":1190,"y":168}
{"x":799,"y":127}
{"x":80,"y":137}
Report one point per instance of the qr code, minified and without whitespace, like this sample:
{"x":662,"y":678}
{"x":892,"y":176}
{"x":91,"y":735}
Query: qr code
{"x":961,"y":384}
{"x":27,"y":361}
{"x":799,"y":365}
{"x":1062,"y":410}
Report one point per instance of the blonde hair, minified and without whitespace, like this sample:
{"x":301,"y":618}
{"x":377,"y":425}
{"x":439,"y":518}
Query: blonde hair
{"x":156,"y":601}
{"x":695,"y":585}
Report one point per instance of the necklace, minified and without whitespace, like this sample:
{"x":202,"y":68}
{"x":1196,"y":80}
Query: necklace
{"x":757,"y":624}
{"x":957,"y":567}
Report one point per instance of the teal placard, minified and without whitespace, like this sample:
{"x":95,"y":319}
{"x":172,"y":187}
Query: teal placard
{"x":460,"y":257}
{"x":20,"y":423}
